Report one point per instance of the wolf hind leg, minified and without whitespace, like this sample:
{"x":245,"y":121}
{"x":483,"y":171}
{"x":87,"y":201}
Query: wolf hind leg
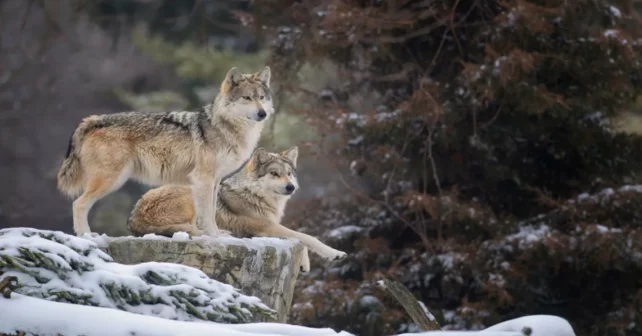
{"x":98,"y":185}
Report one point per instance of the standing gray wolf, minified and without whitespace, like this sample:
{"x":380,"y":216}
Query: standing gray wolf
{"x":252,"y":203}
{"x":198,"y":148}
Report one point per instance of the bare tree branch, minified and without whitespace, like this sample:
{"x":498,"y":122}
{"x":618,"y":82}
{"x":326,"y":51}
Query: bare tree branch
{"x":417,"y":310}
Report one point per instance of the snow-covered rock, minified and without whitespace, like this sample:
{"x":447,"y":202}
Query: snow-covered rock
{"x":59,"y":267}
{"x":263,"y":267}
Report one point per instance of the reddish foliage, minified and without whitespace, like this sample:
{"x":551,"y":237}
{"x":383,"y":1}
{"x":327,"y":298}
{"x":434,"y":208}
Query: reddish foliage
{"x":465,"y":119}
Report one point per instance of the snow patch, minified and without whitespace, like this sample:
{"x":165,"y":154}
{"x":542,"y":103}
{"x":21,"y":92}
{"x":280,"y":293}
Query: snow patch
{"x":540,"y":325}
{"x":496,"y":279}
{"x":355,"y":141}
{"x":449,"y":259}
{"x":180,"y":236}
{"x":428,"y":314}
{"x":344,"y":231}
{"x":614,"y":33}
{"x":604,"y":229}
{"x":605,"y":194}
{"x":636,"y":188}
{"x":54,"y":318}
{"x":529,"y":235}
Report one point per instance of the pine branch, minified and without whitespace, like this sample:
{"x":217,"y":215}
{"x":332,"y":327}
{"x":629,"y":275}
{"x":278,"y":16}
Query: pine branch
{"x":7,"y":285}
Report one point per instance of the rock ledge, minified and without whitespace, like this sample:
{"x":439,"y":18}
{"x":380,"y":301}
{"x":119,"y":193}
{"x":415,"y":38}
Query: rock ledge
{"x":263,"y":267}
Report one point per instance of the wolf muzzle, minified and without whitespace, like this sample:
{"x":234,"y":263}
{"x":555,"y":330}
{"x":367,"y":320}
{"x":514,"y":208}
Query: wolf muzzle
{"x":261,"y":115}
{"x":289,"y":189}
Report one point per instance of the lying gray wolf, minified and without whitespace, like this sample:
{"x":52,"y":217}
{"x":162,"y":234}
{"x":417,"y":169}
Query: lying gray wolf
{"x":188,"y":147}
{"x":252,"y":203}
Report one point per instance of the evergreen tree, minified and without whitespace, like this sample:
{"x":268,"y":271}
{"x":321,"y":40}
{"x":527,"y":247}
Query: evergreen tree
{"x":467,"y":119}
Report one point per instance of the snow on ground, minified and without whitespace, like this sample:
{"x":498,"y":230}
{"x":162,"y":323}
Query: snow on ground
{"x":540,"y":325}
{"x":463,"y":333}
{"x":44,"y":318}
{"x":61,"y":267}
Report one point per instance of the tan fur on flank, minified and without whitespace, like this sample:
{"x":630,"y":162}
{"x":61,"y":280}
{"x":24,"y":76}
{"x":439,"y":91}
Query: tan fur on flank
{"x":181,"y":147}
{"x":251,"y":203}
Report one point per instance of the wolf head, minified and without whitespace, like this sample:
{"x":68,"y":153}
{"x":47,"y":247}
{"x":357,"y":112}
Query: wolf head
{"x":247,"y":96}
{"x":274,"y":172}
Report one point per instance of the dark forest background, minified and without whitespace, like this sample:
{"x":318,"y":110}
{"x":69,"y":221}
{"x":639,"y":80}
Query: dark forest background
{"x":487,"y":153}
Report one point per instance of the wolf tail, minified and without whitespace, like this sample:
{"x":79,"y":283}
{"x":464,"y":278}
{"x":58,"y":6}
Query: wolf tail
{"x":139,"y":224}
{"x":134,"y":218}
{"x":70,"y":175}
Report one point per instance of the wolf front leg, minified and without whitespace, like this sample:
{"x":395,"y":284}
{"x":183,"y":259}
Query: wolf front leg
{"x":204,"y":189}
{"x":310,"y":242}
{"x":305,"y":260}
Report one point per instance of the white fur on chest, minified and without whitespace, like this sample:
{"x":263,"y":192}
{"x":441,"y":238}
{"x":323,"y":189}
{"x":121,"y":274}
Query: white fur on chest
{"x":230,"y":162}
{"x":280,"y":208}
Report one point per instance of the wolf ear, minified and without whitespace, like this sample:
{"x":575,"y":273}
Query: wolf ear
{"x":262,"y":155}
{"x":251,"y":163}
{"x":264,"y":76}
{"x":257,"y":157}
{"x":291,"y":154}
{"x":232,"y":78}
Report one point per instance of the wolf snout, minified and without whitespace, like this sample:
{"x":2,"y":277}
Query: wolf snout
{"x":289,"y":189}
{"x":262,"y":114}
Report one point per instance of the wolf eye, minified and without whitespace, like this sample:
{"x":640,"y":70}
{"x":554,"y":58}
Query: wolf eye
{"x":247,"y":98}
{"x":261,"y":97}
{"x":289,"y":174}
{"x":275,"y":174}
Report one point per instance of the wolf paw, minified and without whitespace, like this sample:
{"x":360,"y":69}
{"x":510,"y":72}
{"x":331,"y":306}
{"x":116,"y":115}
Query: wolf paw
{"x":217,"y":233}
{"x":305,"y":261}
{"x":196,"y":233}
{"x":224,"y":232}
{"x":336,"y":255}
{"x":340,"y":256}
